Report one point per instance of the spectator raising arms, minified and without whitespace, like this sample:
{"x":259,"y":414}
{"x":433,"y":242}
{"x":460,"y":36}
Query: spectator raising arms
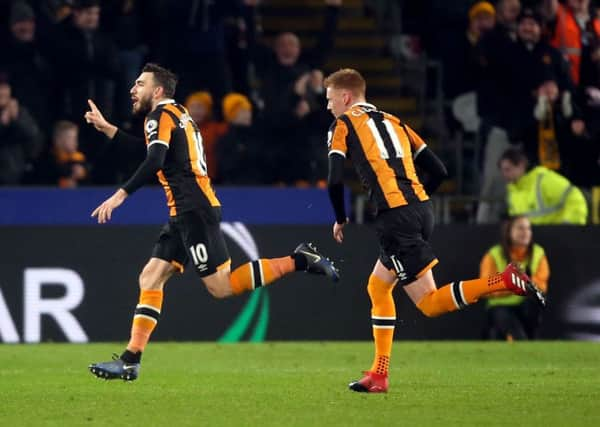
{"x":291,"y":86}
{"x":542,"y":104}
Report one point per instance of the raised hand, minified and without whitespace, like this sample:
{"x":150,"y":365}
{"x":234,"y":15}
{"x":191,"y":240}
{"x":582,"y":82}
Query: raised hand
{"x":301,"y":84}
{"x":96,"y":119}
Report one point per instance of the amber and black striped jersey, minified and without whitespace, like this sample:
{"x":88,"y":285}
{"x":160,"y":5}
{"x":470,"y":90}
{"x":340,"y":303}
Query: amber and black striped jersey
{"x":183,"y":175}
{"x":381,"y":149}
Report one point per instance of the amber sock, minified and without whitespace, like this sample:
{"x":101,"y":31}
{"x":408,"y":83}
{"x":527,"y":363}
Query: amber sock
{"x":260,"y":272}
{"x":146,"y":316}
{"x":383,"y":319}
{"x":457,"y":295}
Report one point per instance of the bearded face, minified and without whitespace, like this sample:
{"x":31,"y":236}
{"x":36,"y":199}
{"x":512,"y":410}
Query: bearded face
{"x":142,"y":105}
{"x":141,"y":94}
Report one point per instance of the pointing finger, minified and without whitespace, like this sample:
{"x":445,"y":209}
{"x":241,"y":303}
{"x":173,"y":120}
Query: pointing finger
{"x":93,"y":106}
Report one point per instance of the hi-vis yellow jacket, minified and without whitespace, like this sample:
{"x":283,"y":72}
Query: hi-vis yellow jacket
{"x":533,"y":265}
{"x":547,"y":197}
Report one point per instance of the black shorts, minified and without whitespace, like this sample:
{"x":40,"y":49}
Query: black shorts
{"x":404,"y":240}
{"x":196,"y":235}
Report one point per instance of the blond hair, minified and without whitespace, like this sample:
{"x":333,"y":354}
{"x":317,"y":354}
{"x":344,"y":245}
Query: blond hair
{"x":348,"y":79}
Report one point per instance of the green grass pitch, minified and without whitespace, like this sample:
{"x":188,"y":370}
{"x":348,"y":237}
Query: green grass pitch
{"x":305,"y":384}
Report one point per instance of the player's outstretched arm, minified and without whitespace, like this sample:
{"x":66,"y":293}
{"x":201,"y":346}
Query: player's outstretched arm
{"x":148,"y":168}
{"x":104,"y":211}
{"x":95,"y":118}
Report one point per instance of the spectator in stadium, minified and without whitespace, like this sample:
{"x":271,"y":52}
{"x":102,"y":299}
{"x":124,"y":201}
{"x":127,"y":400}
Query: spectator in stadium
{"x":291,"y":87}
{"x":200,"y":107}
{"x":461,"y":56}
{"x":545,"y":116}
{"x":124,"y":21}
{"x":495,"y":104}
{"x":575,"y":31}
{"x":382,"y":149}
{"x":544,"y":196}
{"x":240,"y":152}
{"x":25,"y":58}
{"x":193,"y":44}
{"x":175,"y":157}
{"x":509,"y":316}
{"x":21,"y":140}
{"x":50,"y":13}
{"x":460,"y":60}
{"x":64,"y":166}
{"x":558,"y":133}
{"x":92,"y":75}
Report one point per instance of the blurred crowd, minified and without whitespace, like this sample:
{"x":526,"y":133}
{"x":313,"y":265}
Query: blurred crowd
{"x":518,"y":73}
{"x":258,"y":105}
{"x":526,"y":74}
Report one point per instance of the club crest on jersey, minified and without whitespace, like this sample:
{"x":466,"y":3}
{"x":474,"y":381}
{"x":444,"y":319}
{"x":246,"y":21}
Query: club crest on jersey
{"x":151,"y":126}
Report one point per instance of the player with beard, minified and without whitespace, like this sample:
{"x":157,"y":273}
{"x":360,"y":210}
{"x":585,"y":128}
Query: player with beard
{"x":175,"y":154}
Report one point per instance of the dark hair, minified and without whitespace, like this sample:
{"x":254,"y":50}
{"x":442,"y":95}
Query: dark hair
{"x":505,"y":241}
{"x":85,"y":4}
{"x":163,"y":77}
{"x":514,"y":155}
{"x":531,"y":14}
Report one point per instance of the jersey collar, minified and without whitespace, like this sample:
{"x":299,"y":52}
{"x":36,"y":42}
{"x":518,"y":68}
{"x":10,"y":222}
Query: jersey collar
{"x":365,"y":104}
{"x":166,"y":101}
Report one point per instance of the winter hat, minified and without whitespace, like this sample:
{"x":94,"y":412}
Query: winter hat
{"x":203,"y":98}
{"x":481,"y":7}
{"x":233,"y":103}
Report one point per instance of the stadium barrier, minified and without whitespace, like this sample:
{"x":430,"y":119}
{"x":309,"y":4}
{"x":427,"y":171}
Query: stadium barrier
{"x":79,"y":284}
{"x":251,"y":205}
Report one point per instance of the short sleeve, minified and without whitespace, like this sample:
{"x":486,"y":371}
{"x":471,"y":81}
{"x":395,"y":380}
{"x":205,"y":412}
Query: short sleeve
{"x":158,"y":128}
{"x":416,"y":142}
{"x":336,"y":138}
